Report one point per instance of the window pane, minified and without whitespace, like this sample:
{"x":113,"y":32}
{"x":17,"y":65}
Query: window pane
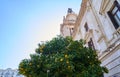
{"x":118,"y":14}
{"x":114,"y":10}
{"x":86,"y":27}
{"x":117,"y":20}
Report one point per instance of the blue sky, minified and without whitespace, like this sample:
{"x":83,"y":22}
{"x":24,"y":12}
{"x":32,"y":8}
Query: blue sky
{"x":24,"y":23}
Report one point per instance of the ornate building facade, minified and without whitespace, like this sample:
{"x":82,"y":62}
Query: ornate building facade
{"x":66,"y":28}
{"x":9,"y":73}
{"x":98,"y":23}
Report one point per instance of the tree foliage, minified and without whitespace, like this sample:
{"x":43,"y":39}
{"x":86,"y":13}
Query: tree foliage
{"x":62,"y":57}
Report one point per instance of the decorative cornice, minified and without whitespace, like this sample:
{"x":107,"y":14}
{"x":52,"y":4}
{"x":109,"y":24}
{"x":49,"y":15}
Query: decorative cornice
{"x":88,"y":34}
{"x":113,"y":48}
{"x":103,"y":6}
{"x":71,"y":14}
{"x":100,"y":38}
{"x":80,"y":16}
{"x":110,"y":49}
{"x":67,"y":22}
{"x":117,"y":32}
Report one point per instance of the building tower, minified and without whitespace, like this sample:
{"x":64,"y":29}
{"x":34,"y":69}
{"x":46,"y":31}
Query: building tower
{"x":66,"y":28}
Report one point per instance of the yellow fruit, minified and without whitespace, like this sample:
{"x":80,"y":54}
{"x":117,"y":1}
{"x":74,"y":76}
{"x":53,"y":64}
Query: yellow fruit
{"x":68,"y":67}
{"x":61,"y":59}
{"x":66,"y":56}
{"x":67,"y":62}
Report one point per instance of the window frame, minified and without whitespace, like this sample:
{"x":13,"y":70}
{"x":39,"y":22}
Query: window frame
{"x":115,"y":21}
{"x":91,"y":44}
{"x":86,"y":27}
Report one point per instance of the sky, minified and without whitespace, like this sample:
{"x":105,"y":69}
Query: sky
{"x":25,"y":23}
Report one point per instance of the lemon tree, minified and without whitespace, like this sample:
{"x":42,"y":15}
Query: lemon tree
{"x":62,"y":57}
